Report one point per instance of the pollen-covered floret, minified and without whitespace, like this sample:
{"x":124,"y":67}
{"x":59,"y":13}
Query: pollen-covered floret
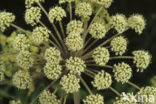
{"x":102,"y":80}
{"x":141,"y":59}
{"x":105,"y":3}
{"x":70,"y":83}
{"x":24,"y":59}
{"x":119,"y":45}
{"x":46,"y":97}
{"x":6,"y":19}
{"x":83,"y":9}
{"x":29,"y":3}
{"x":33,"y":15}
{"x":22,"y":79}
{"x":15,"y":102}
{"x":75,"y":65}
{"x":137,"y":22}
{"x":97,"y":30}
{"x":64,"y":1}
{"x":40,"y":34}
{"x":75,"y":26}
{"x":2,"y":77}
{"x":53,"y":55}
{"x":21,"y":42}
{"x":74,"y":42}
{"x":56,"y":13}
{"x":52,"y":70}
{"x":94,"y":99}
{"x":101,"y":56}
{"x":122,"y":72}
{"x":119,"y":23}
{"x":149,"y":94}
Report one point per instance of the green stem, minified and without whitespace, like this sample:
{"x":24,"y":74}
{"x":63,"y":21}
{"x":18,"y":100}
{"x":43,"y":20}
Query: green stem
{"x":21,"y":29}
{"x":122,"y":57}
{"x":89,"y":71}
{"x":70,"y":10}
{"x":76,"y":98}
{"x":65,"y":99}
{"x":61,"y":26}
{"x":86,"y":86}
{"x":115,"y":91}
{"x":134,"y":85}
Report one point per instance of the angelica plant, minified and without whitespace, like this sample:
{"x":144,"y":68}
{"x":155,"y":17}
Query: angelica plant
{"x":67,"y":54}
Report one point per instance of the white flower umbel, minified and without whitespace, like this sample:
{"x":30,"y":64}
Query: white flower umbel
{"x":6,"y":18}
{"x":22,"y":79}
{"x":94,"y":99}
{"x":102,"y":80}
{"x":75,"y":65}
{"x":70,"y":83}
{"x":33,"y":15}
{"x":141,"y":59}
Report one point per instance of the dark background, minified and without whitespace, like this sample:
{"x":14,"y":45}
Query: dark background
{"x":146,"y":41}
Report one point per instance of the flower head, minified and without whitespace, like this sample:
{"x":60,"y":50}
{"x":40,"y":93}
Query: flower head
{"x":119,"y":23}
{"x":75,"y":26}
{"x":56,"y":13}
{"x":21,"y":42}
{"x":52,"y":71}
{"x":83,"y":9}
{"x":94,"y":99}
{"x":119,"y":45}
{"x":33,"y":15}
{"x":102,"y":80}
{"x":75,"y":65}
{"x":141,"y":59}
{"x":97,"y":30}
{"x":122,"y":72}
{"x":6,"y":19}
{"x":46,"y":97}
{"x":53,"y":55}
{"x":15,"y":102}
{"x":101,"y":56}
{"x":22,"y":79}
{"x":70,"y":83}
{"x":137,"y":22}
{"x":40,"y":34}
{"x":74,"y":42}
{"x":24,"y":59}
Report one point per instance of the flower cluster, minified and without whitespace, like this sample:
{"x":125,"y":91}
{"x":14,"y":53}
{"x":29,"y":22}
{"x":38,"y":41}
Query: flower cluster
{"x":101,"y":56}
{"x":40,"y":34}
{"x":122,"y":72}
{"x":6,"y":19}
{"x":102,"y":80}
{"x":142,"y":59}
{"x":97,"y":30}
{"x":83,"y":9}
{"x":75,"y":65}
{"x":70,"y":83}
{"x":68,"y":54}
{"x":94,"y":99}
{"x":46,"y":97}
{"x":119,"y":45}
{"x":21,"y":42}
{"x":33,"y":15}
{"x":56,"y":13}
{"x":22,"y":79}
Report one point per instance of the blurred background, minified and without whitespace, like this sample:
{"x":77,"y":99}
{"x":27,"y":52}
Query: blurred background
{"x":146,"y":41}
